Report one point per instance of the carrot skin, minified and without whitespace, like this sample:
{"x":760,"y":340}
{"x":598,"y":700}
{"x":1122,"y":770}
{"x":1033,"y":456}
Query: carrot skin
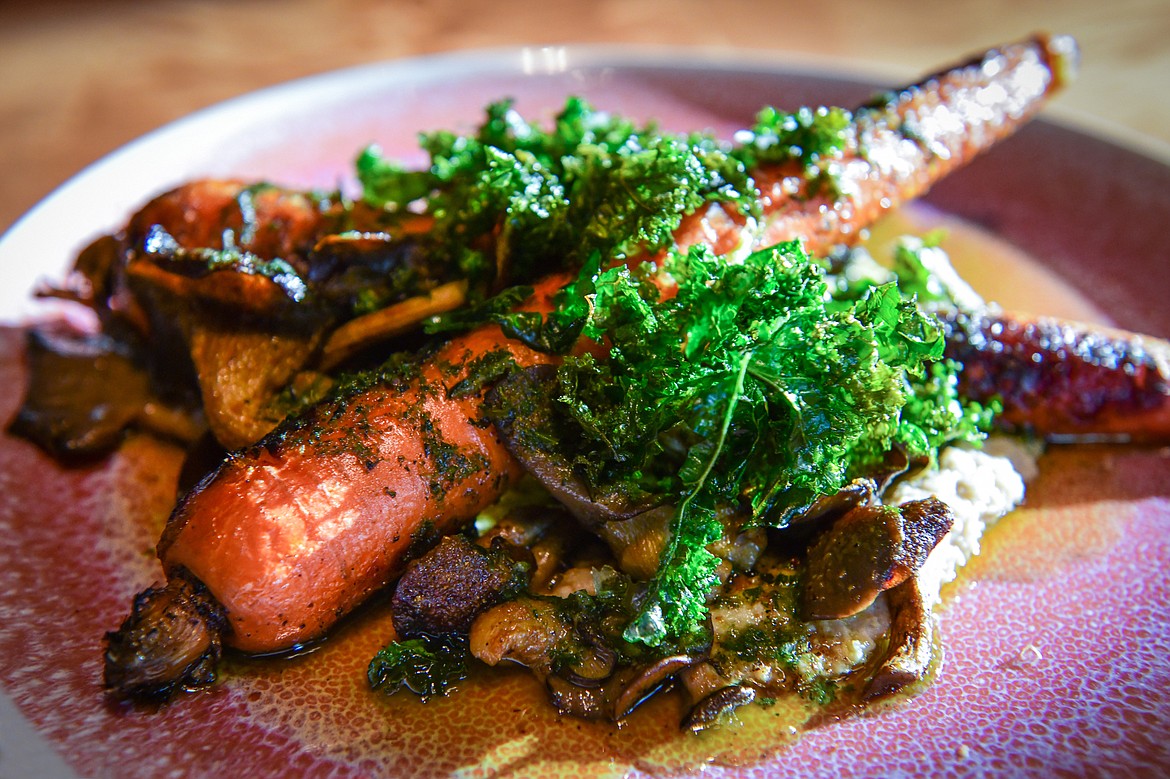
{"x":295,"y":532}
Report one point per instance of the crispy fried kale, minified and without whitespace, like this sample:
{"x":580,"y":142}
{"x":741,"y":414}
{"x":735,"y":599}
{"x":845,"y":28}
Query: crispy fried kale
{"x":743,"y":385}
{"x":718,"y":386}
{"x":513,"y":201}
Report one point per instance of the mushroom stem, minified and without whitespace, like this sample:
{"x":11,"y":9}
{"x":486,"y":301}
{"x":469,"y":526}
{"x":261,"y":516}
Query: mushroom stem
{"x":911,"y":646}
{"x":356,"y":334}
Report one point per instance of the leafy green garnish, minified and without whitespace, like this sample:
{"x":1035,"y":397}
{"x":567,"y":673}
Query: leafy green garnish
{"x":594,"y":183}
{"x":924,"y":269}
{"x":718,"y":386}
{"x":810,"y":136}
{"x":914,"y":277}
{"x":934,"y":414}
{"x":747,"y":386}
{"x":513,"y":201}
{"x":427,"y":667}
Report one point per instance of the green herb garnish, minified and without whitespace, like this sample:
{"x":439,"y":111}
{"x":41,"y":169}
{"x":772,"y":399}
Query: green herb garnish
{"x":513,"y":201}
{"x":753,"y":386}
{"x":747,"y":387}
{"x":810,"y":137}
{"x":426,"y":666}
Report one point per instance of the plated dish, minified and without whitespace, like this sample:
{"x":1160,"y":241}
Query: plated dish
{"x":651,"y":88}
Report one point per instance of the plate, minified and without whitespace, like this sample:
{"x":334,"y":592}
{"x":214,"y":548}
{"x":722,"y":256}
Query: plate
{"x":1055,"y":640}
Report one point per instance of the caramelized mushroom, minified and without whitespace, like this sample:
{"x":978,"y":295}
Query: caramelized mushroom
{"x":591,"y":667}
{"x":870,"y":549}
{"x":707,"y":712}
{"x":827,"y":509}
{"x":521,"y":408}
{"x":85,"y":391}
{"x":442,"y":592}
{"x":397,"y":319}
{"x":241,"y":372}
{"x":579,"y":667}
{"x":577,"y":701}
{"x":170,"y":640}
{"x":911,"y":642}
{"x":522,"y":631}
{"x":646,"y":681}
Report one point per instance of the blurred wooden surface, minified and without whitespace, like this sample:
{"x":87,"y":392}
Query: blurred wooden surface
{"x":79,"y":78}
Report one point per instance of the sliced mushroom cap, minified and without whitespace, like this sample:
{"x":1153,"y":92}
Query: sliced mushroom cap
{"x":363,"y":270}
{"x":591,"y":665}
{"x":241,"y":372}
{"x":94,"y":275}
{"x":522,"y":410}
{"x":591,"y":702}
{"x":244,"y":337}
{"x":637,"y":542}
{"x":644,"y":682}
{"x":898,"y":465}
{"x":925,"y":523}
{"x":523,"y":631}
{"x":827,"y":509}
{"x":616,"y":696}
{"x":233,"y":290}
{"x":710,"y":709}
{"x":400,"y":318}
{"x":911,"y":642}
{"x":633,"y":526}
{"x":85,"y":391}
{"x":870,"y":549}
{"x":862,"y":491}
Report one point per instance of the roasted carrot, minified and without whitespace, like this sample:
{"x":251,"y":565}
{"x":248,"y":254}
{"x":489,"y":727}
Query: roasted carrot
{"x":896,"y":148}
{"x":1063,"y":379}
{"x":333,"y":503}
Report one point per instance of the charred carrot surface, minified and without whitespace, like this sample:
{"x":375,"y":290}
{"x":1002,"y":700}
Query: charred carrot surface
{"x":897,"y":147}
{"x":1064,"y":379}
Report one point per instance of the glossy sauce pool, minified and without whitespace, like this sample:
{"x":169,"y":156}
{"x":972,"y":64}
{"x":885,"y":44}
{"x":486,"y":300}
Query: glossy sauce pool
{"x":79,"y":542}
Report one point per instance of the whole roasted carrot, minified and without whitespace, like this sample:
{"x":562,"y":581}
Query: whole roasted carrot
{"x":291,"y":534}
{"x":334,"y":501}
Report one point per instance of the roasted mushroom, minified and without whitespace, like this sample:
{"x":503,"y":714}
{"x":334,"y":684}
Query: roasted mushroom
{"x":869,"y":550}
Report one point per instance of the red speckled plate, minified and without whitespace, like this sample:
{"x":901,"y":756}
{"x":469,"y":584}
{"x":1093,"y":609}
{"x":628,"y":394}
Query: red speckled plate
{"x":1056,"y":639}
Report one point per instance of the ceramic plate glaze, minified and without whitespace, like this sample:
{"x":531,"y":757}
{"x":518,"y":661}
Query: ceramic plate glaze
{"x":1055,"y":640}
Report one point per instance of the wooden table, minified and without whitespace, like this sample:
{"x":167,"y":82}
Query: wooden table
{"x":78,"y":79}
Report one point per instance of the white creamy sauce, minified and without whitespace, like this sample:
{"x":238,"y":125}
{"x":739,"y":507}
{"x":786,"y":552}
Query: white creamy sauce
{"x":979,"y":487}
